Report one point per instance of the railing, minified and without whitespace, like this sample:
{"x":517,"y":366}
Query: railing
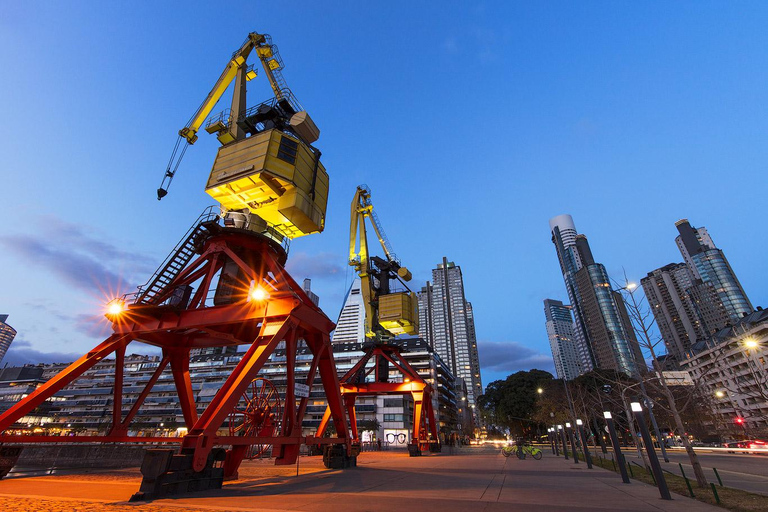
{"x":212,"y":214}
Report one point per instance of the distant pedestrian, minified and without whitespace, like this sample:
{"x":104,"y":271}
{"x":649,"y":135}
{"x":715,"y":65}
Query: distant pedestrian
{"x":378,"y":443}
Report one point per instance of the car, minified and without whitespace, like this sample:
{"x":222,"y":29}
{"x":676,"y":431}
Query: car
{"x":757,"y":444}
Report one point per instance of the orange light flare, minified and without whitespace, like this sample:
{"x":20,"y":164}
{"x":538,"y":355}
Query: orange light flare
{"x":115,"y":309}
{"x":259,"y":291}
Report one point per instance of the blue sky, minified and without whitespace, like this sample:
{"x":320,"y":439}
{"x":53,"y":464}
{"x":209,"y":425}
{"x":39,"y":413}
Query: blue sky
{"x":473,"y":124}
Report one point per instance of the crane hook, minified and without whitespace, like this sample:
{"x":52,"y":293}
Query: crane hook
{"x":169,"y":174}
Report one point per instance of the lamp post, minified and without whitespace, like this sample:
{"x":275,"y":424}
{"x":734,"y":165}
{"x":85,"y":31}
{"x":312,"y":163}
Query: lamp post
{"x":630,"y":288}
{"x":599,"y":435}
{"x":551,"y":442}
{"x":587,"y":455}
{"x":565,"y":443}
{"x":573,"y":443}
{"x":616,"y":447}
{"x":655,"y":466}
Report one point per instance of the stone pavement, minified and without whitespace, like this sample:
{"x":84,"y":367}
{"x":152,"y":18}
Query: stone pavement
{"x":473,"y":479}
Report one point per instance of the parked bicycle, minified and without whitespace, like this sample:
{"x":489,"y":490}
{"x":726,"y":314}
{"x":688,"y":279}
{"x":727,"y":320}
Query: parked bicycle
{"x":522,"y":451}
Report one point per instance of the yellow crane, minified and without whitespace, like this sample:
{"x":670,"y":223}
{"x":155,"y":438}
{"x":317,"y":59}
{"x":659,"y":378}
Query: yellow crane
{"x":387,"y":313}
{"x":267,"y":176}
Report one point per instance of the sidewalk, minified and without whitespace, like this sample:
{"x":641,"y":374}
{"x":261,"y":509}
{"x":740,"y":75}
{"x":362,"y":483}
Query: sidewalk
{"x":475,"y":479}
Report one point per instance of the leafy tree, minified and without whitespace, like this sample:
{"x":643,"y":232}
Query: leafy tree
{"x":510,"y":404}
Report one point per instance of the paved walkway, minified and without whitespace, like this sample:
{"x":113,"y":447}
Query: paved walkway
{"x":475,"y":479}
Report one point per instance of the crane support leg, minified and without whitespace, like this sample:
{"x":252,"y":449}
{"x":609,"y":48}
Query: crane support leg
{"x":63,"y":379}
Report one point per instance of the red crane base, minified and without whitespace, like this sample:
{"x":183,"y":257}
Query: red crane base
{"x":238,"y":261}
{"x":424,"y":433}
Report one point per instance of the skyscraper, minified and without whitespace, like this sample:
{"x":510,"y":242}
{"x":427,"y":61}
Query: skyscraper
{"x":446,"y":321}
{"x":687,"y":310}
{"x":560,"y":333}
{"x":603,"y":333}
{"x":7,"y":333}
{"x":609,"y":330}
{"x":350,"y":328}
{"x":564,"y":237}
{"x":666,"y":291}
{"x":708,"y":263}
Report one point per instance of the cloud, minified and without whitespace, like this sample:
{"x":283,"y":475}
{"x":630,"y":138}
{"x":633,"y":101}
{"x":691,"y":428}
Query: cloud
{"x":21,"y":352}
{"x":324,"y":265}
{"x":510,"y":357}
{"x":78,"y":258}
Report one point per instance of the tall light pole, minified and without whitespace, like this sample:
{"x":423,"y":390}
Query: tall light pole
{"x":630,"y":288}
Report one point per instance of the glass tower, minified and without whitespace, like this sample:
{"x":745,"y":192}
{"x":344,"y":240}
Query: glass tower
{"x":7,"y":333}
{"x":708,"y":263}
{"x":560,"y":333}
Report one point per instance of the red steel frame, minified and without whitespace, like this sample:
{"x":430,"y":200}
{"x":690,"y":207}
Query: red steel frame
{"x":286,"y":315}
{"x":423,"y":414}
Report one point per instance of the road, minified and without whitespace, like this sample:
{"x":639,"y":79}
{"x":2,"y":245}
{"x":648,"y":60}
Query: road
{"x":748,"y":472}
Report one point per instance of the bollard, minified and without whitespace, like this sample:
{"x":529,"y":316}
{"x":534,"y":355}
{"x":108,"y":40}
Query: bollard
{"x":718,"y":476}
{"x":714,"y":491}
{"x":687,"y":482}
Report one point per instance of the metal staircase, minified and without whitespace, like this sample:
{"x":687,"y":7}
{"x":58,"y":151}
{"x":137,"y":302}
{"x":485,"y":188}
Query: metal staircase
{"x":179,"y":257}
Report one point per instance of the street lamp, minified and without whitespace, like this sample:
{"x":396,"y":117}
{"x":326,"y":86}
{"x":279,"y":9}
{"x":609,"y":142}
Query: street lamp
{"x":539,"y":391}
{"x":565,"y":442}
{"x":655,"y":466}
{"x":573,"y":443}
{"x":587,"y":455}
{"x":630,"y":288}
{"x":616,"y":448}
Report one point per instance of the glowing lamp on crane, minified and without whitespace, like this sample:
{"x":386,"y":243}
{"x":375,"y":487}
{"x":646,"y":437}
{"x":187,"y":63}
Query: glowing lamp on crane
{"x":115,"y":308}
{"x":739,"y":420}
{"x":257,"y":293}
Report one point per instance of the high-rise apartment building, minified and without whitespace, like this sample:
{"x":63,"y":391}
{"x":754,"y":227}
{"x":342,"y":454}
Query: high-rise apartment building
{"x":666,"y":290}
{"x":7,"y":333}
{"x":708,"y":263}
{"x":606,"y":321}
{"x":560,"y":333}
{"x":603,"y":333}
{"x":446,"y":321}
{"x":564,"y":234}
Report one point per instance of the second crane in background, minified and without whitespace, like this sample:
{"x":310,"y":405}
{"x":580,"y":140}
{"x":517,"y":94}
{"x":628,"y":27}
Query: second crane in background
{"x":388,"y":313}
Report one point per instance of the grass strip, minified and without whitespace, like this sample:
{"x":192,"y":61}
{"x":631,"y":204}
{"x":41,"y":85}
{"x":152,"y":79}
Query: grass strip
{"x":725,"y":497}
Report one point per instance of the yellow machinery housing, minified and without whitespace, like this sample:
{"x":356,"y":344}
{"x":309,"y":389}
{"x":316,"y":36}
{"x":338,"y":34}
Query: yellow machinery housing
{"x":398,"y":313}
{"x":277,"y":177}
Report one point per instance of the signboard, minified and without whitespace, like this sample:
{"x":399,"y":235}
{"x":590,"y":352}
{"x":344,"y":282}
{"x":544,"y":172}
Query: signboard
{"x":301,"y":390}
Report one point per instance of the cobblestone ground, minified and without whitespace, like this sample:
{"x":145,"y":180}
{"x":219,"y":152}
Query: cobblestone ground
{"x":250,"y":471}
{"x":62,"y":505}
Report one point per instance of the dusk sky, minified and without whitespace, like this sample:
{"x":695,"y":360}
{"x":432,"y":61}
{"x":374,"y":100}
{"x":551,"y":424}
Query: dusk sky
{"x":472,"y":123}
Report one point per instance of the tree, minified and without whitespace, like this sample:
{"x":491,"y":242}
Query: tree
{"x":369,"y":425}
{"x":511,"y":403}
{"x":642,"y":320}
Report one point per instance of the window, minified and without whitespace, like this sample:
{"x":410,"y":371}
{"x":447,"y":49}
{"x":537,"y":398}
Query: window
{"x":287,"y":150}
{"x":394,"y":417}
{"x":393,"y":402}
